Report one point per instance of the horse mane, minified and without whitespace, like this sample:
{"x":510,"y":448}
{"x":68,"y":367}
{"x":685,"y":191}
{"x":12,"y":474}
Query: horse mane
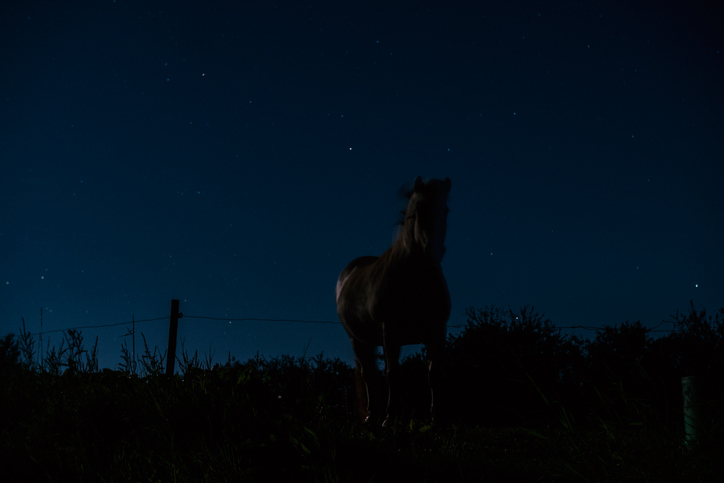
{"x":431,"y":188}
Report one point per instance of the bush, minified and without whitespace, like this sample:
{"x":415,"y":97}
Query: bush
{"x":9,"y":353}
{"x":518,"y":361}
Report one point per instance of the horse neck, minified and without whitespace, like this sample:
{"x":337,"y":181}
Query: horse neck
{"x":436,"y":247}
{"x":406,"y":246}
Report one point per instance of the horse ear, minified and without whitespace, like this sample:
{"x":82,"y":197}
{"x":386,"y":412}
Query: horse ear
{"x":418,"y":184}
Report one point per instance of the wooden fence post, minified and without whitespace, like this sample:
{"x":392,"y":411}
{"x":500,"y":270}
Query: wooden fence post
{"x":172,"y":331}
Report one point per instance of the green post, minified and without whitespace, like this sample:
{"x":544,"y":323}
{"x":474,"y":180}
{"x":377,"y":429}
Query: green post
{"x":693,"y":389}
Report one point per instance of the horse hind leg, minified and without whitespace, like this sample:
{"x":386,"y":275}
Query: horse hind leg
{"x":431,"y":383}
{"x":434,"y":351}
{"x":366,"y":363}
{"x":392,"y":369}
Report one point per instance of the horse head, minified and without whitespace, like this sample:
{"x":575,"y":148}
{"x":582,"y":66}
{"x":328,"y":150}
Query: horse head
{"x":425,"y":222}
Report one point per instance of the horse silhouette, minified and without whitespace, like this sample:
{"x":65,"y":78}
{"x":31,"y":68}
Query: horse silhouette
{"x":401,"y":297}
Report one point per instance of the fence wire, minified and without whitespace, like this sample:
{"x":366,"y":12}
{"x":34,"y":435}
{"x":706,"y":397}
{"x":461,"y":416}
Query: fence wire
{"x":226,"y":319}
{"x":301,"y":321}
{"x":99,"y":326}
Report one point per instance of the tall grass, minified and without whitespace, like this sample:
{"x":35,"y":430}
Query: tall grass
{"x":511,"y":413}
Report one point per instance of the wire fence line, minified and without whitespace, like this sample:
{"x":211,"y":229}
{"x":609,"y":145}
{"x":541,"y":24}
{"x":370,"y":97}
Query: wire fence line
{"x":248,"y":319}
{"x":301,"y":321}
{"x":99,"y":326}
{"x":182,"y":316}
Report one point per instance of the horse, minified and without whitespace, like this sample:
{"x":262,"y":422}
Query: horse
{"x":401,"y":297}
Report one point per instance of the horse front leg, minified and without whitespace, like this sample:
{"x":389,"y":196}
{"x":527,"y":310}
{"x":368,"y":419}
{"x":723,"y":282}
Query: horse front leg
{"x":392,"y":369}
{"x":366,"y":356}
{"x":434,"y":351}
{"x":431,"y":383}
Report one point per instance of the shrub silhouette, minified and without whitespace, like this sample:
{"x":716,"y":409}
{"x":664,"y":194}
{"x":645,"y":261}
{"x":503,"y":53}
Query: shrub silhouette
{"x":696,"y":347}
{"x":512,"y":367}
{"x":9,"y":353}
{"x":506,"y":365}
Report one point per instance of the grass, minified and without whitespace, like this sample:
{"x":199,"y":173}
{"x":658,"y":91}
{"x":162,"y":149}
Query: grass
{"x":266,"y":419}
{"x":226,"y":424}
{"x":296,"y":419}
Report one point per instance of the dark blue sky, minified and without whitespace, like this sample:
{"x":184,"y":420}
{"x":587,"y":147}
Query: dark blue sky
{"x":238,"y":157}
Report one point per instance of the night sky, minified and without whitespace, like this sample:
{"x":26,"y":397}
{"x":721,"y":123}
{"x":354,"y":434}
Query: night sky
{"x":237,"y":155}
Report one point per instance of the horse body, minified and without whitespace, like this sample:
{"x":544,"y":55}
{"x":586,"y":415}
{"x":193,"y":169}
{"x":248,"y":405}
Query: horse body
{"x":401,"y":297}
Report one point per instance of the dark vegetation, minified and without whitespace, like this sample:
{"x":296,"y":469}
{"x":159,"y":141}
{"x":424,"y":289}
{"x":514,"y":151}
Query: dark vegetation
{"x":519,"y":401}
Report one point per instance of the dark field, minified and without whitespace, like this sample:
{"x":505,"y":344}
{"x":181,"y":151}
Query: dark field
{"x":519,"y":402}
